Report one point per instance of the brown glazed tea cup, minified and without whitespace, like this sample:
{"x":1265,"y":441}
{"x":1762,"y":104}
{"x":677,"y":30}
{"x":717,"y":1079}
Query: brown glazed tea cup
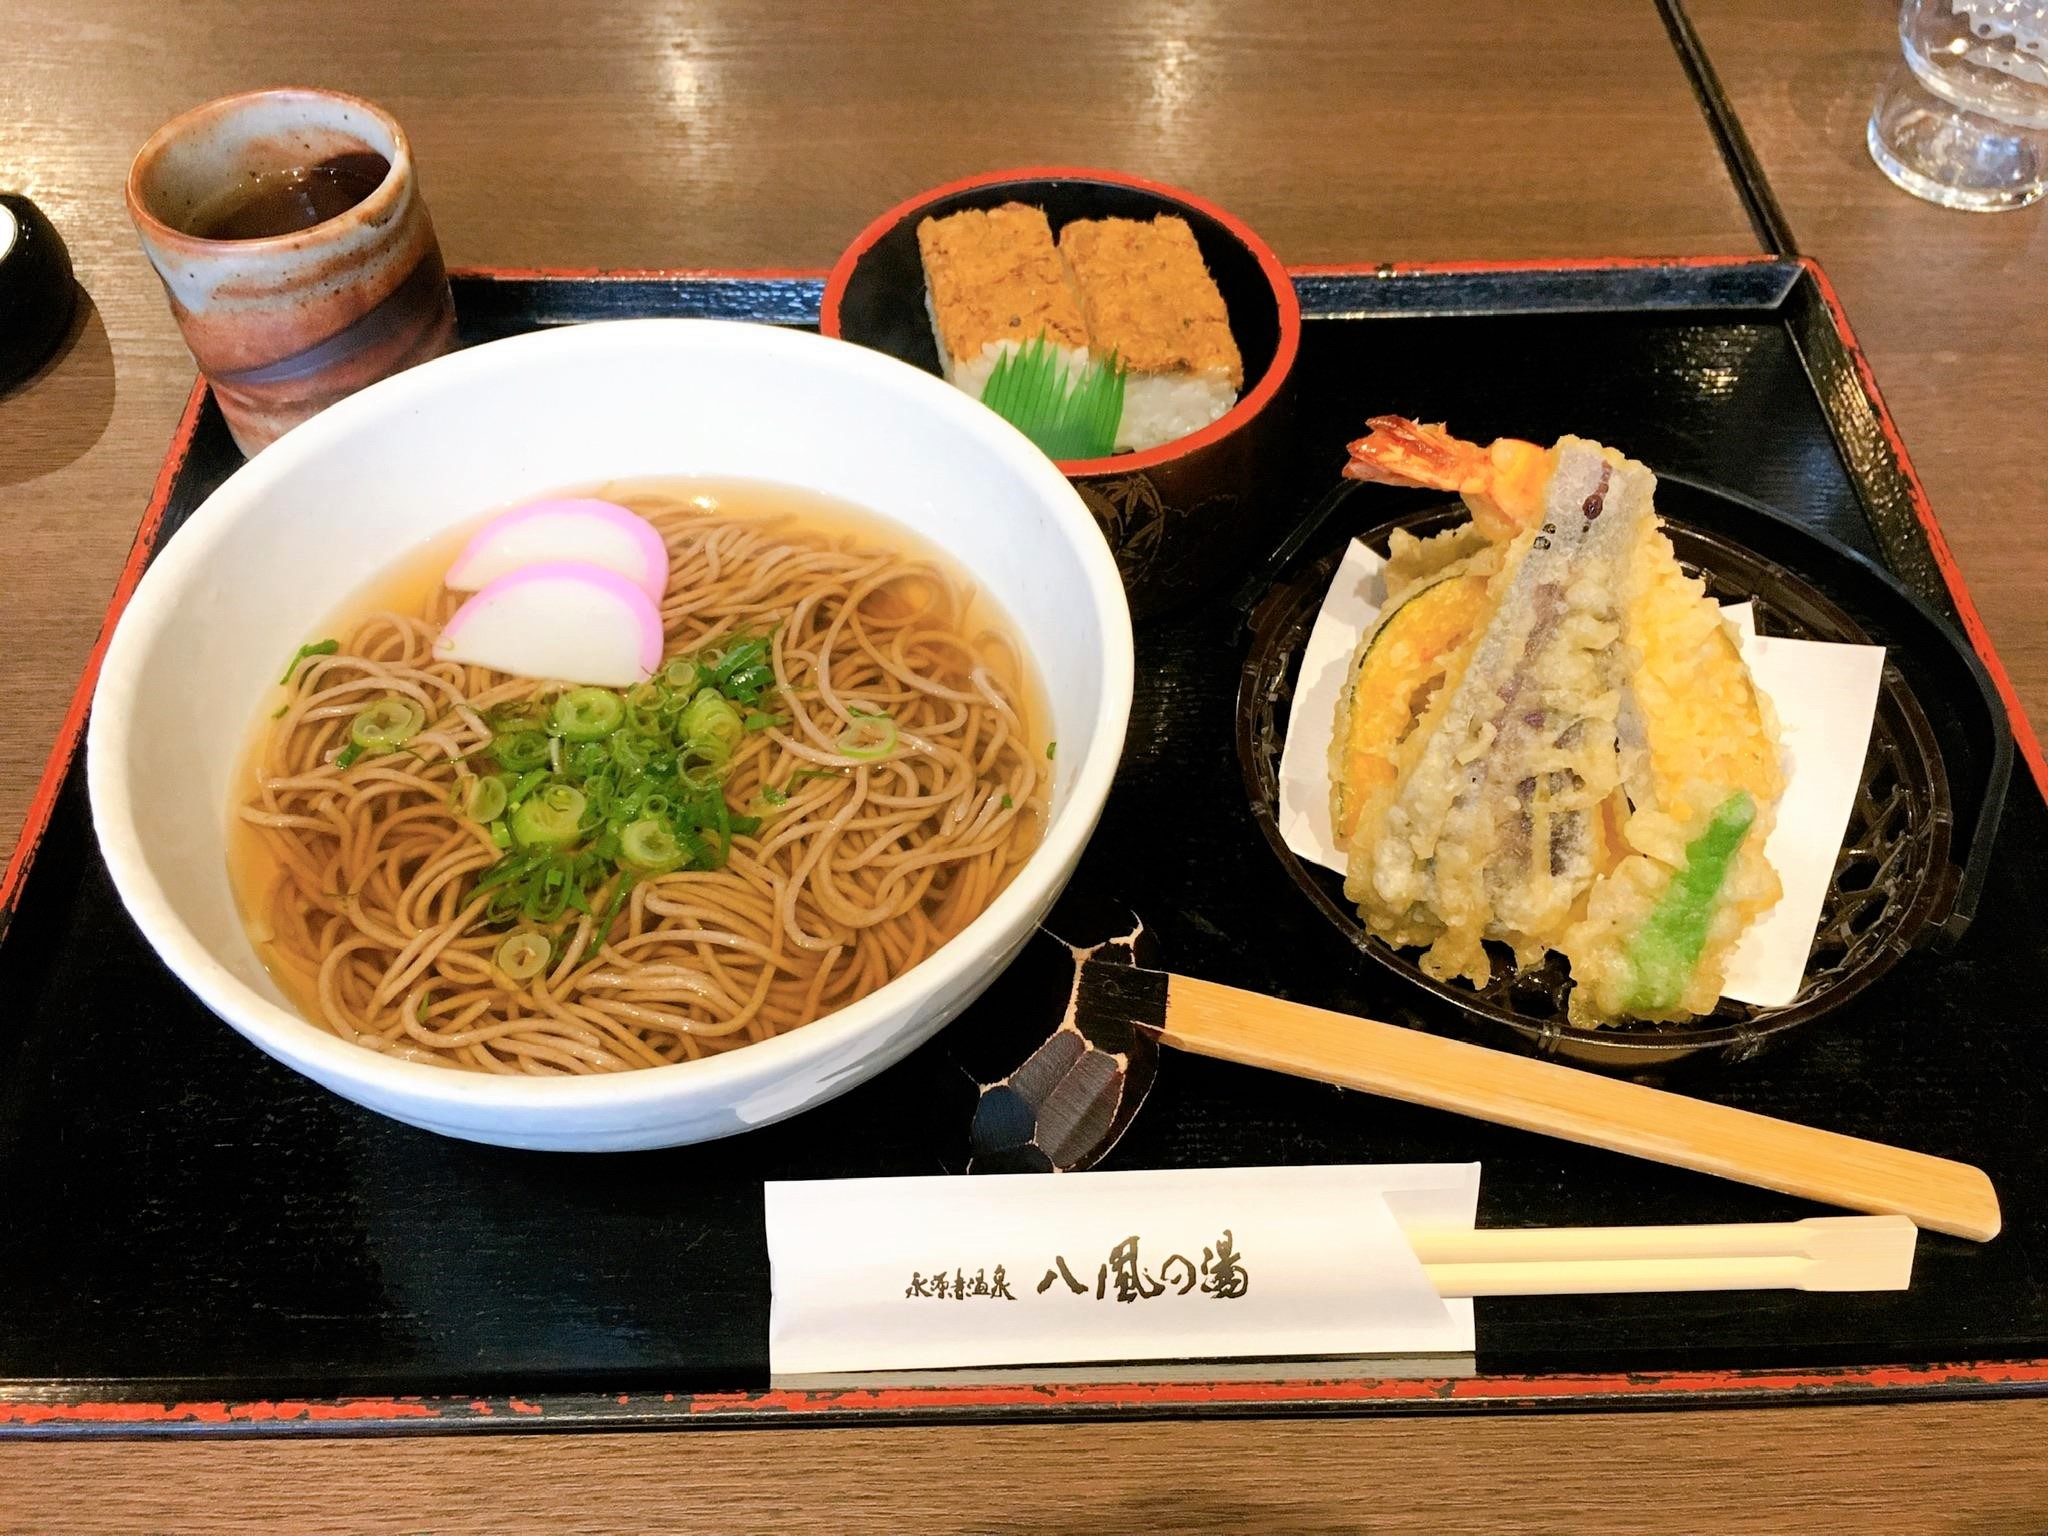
{"x":284,"y":324}
{"x":1182,"y":518}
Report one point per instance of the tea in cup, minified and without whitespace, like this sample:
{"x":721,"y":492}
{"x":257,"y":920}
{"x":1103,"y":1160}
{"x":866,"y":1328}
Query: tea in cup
{"x":300,"y":262}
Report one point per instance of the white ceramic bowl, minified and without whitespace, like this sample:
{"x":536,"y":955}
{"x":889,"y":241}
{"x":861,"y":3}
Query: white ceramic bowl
{"x":307,"y":523}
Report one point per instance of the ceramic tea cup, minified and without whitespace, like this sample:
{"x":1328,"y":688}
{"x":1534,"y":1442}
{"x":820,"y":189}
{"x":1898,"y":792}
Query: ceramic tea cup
{"x":299,"y":259}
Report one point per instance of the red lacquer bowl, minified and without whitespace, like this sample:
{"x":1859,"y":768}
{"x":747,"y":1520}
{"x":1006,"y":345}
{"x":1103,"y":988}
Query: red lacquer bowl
{"x":1183,"y":517}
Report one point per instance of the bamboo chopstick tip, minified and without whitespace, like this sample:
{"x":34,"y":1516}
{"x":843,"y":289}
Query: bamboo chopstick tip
{"x":1859,"y":1253}
{"x":1972,"y":1212}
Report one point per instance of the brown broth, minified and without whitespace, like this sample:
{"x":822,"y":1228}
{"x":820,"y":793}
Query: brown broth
{"x":413,"y":585}
{"x":284,"y":202}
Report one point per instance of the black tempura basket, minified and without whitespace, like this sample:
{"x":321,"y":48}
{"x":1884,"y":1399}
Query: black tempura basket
{"x":1912,"y":864}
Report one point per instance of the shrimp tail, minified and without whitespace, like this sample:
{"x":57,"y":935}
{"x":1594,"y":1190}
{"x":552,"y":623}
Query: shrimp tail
{"x":1397,"y":451}
{"x":1502,"y":482}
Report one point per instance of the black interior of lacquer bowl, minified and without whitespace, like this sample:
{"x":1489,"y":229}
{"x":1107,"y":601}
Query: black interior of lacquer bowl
{"x":1895,"y":883}
{"x":883,"y":306}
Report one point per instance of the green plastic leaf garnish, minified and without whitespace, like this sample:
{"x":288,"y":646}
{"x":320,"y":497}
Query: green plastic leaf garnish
{"x":1067,"y":417}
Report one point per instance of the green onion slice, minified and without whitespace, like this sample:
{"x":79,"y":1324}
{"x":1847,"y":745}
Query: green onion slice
{"x":486,"y":799}
{"x":744,"y":653}
{"x":749,"y":683}
{"x":588,"y":714}
{"x":520,"y":751}
{"x":710,"y":726}
{"x":522,"y":954}
{"x":525,"y":785}
{"x":620,"y":894}
{"x":317,"y":648}
{"x":868,"y":737}
{"x":636,"y":750}
{"x":549,"y":819}
{"x":387,"y":725}
{"x":650,"y":848}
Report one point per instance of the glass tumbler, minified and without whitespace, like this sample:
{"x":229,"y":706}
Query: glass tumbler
{"x":1963,"y":122}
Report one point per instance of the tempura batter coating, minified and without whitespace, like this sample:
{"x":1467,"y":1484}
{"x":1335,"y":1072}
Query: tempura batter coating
{"x":1696,"y":731}
{"x":1493,"y":831}
{"x":1597,"y":773}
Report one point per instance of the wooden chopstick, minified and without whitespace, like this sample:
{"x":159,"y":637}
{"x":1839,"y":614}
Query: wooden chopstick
{"x":1822,"y":1253}
{"x":1251,"y":1028}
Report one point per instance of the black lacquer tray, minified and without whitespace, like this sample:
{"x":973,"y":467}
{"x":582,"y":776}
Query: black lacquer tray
{"x":196,"y":1239}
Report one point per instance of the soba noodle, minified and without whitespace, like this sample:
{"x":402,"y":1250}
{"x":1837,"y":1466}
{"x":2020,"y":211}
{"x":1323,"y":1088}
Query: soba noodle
{"x":360,"y":881}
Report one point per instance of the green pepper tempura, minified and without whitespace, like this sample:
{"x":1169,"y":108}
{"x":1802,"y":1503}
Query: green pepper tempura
{"x":1663,"y":952}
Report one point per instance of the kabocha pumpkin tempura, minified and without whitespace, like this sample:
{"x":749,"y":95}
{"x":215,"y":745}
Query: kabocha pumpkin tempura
{"x":1550,"y":738}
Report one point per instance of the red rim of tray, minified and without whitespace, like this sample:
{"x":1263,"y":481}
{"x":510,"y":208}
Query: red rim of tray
{"x":75,"y":1408}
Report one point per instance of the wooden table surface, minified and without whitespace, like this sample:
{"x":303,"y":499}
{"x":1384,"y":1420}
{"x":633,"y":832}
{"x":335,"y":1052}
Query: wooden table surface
{"x":1952,"y":308}
{"x":649,"y":133}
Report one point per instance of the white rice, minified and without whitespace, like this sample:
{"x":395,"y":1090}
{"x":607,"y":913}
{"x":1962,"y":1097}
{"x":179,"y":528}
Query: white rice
{"x":970,"y":374}
{"x":1158,"y":407}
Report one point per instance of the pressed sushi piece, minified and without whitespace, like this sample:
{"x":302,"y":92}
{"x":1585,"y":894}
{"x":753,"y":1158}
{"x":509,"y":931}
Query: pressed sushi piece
{"x":1147,"y":298}
{"x":993,"y":282}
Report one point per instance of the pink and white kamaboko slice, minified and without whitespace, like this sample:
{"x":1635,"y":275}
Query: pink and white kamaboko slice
{"x":560,"y":622}
{"x":578,"y":529}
